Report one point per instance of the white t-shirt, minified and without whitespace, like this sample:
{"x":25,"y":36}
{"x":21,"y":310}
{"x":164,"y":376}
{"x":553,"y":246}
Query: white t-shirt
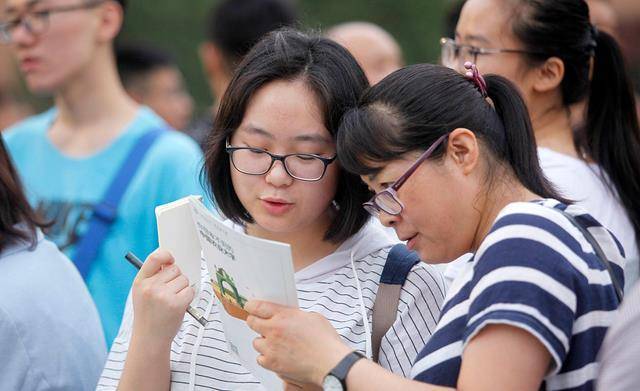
{"x":328,"y":287}
{"x":582,"y":183}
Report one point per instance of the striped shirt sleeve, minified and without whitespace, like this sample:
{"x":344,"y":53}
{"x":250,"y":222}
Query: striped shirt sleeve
{"x":117,"y":355}
{"x":534,"y":291}
{"x":419,"y":308}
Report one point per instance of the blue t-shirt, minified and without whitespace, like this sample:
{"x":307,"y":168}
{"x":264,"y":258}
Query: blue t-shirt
{"x":537,"y":272}
{"x":65,"y":189}
{"x":50,"y":333}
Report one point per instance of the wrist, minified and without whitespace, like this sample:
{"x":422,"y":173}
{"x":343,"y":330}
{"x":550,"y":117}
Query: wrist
{"x":151,"y":344}
{"x":330,"y":362}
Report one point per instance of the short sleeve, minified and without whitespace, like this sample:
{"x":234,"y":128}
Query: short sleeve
{"x":525,"y":284}
{"x":620,"y":352}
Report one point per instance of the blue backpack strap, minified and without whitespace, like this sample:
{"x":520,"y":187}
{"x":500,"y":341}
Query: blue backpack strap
{"x":399,"y":263}
{"x":106,"y":211}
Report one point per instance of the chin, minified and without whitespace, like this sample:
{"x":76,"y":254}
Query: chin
{"x":40,"y":87}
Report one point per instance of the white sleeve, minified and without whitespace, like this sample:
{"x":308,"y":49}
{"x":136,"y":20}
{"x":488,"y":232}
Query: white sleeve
{"x":620,"y":351}
{"x":117,"y":355}
{"x":419,"y":308}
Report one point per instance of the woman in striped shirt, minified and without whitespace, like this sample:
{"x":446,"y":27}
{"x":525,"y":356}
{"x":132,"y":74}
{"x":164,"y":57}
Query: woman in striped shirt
{"x":454,"y":163}
{"x":271,"y":164}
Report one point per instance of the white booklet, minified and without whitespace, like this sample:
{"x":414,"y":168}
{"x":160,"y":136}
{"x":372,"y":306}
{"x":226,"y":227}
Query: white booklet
{"x":241,"y":267}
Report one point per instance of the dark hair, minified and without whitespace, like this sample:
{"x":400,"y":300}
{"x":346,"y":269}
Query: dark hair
{"x":123,"y":4}
{"x":236,"y":25}
{"x":610,"y":135}
{"x":332,"y":74}
{"x":136,"y":61}
{"x":451,"y":17}
{"x":14,"y":207}
{"x":414,"y":106}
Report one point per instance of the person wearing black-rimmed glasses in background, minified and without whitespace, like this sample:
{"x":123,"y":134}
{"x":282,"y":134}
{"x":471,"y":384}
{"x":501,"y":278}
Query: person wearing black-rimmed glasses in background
{"x":556,"y":57}
{"x":70,"y":155}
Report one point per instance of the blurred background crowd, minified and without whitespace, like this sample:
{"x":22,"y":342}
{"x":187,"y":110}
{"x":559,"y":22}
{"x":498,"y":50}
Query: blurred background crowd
{"x":164,"y":61}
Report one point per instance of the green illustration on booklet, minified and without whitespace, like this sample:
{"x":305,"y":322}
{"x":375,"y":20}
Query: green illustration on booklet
{"x":225,"y":289}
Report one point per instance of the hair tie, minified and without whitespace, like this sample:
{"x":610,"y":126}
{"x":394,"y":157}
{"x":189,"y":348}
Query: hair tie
{"x":474,"y":76}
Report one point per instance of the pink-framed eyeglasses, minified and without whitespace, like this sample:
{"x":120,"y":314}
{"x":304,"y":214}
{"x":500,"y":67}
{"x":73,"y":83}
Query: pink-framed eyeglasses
{"x":387,"y":200}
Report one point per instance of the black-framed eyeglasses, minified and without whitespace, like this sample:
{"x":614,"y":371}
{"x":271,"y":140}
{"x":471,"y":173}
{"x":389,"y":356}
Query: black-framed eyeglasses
{"x":387,"y":200}
{"x":454,"y":54}
{"x":37,"y":22}
{"x":256,"y":161}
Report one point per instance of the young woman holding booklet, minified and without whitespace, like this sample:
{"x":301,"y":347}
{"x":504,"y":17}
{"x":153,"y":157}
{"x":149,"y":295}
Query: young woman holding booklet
{"x":271,"y":163}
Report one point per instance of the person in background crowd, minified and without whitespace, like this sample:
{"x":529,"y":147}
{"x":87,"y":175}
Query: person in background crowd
{"x":50,"y":332}
{"x":375,"y":49}
{"x":232,"y":28}
{"x":285,"y":102}
{"x":556,"y":57}
{"x":12,"y":108}
{"x":70,"y":156}
{"x":530,"y":310}
{"x":152,"y":78}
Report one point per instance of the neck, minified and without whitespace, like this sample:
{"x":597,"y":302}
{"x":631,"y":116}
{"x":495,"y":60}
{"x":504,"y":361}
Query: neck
{"x":93,"y":109}
{"x":218,"y":85}
{"x":494,"y":201}
{"x":307,"y":245}
{"x":94,"y":95}
{"x":552,"y":128}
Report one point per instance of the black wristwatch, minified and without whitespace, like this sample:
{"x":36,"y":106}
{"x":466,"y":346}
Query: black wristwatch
{"x":336,"y":380}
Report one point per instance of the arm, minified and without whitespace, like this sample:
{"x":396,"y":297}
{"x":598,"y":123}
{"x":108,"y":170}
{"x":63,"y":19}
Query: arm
{"x":502,"y":357}
{"x":160,"y":297}
{"x":303,"y":347}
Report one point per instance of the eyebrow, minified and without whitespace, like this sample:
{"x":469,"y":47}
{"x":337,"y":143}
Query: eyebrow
{"x":309,"y":137}
{"x":474,"y":37}
{"x":30,"y":4}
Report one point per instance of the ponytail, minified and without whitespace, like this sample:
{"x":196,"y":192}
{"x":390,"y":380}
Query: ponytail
{"x":521,"y":150}
{"x":611,"y":136}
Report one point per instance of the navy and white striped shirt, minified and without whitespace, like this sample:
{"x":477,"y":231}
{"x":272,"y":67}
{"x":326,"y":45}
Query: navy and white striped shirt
{"x":537,"y":272}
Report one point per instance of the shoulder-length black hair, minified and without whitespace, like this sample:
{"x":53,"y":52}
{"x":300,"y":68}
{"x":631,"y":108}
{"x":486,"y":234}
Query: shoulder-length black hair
{"x":610,"y":135}
{"x":411,"y":108}
{"x":336,"y":79}
{"x":17,"y":220}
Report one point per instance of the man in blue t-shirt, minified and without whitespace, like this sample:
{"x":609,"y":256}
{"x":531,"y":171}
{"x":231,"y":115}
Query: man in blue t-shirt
{"x":69,"y":155}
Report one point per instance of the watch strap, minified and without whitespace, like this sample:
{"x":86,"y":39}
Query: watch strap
{"x":342,"y":369}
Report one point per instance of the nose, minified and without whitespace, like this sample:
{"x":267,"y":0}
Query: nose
{"x":21,"y":35}
{"x":388,"y":220}
{"x":278,"y":176}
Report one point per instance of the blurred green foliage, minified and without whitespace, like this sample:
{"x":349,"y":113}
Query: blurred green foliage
{"x":178,"y":26}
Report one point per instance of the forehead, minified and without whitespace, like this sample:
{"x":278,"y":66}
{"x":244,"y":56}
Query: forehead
{"x":486,"y":20}
{"x":286,"y":109}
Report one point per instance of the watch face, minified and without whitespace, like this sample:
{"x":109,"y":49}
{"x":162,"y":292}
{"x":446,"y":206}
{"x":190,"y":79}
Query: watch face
{"x":332,"y":383}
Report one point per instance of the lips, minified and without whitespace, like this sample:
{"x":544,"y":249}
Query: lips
{"x":28,"y":64}
{"x":276,"y":206}
{"x":411,"y":241}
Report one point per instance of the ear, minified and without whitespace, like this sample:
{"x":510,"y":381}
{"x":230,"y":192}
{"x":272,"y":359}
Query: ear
{"x":548,"y":76}
{"x":463,"y":151}
{"x":111,"y":19}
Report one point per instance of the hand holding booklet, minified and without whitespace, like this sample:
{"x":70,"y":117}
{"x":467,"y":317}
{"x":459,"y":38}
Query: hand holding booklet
{"x":241,"y":267}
